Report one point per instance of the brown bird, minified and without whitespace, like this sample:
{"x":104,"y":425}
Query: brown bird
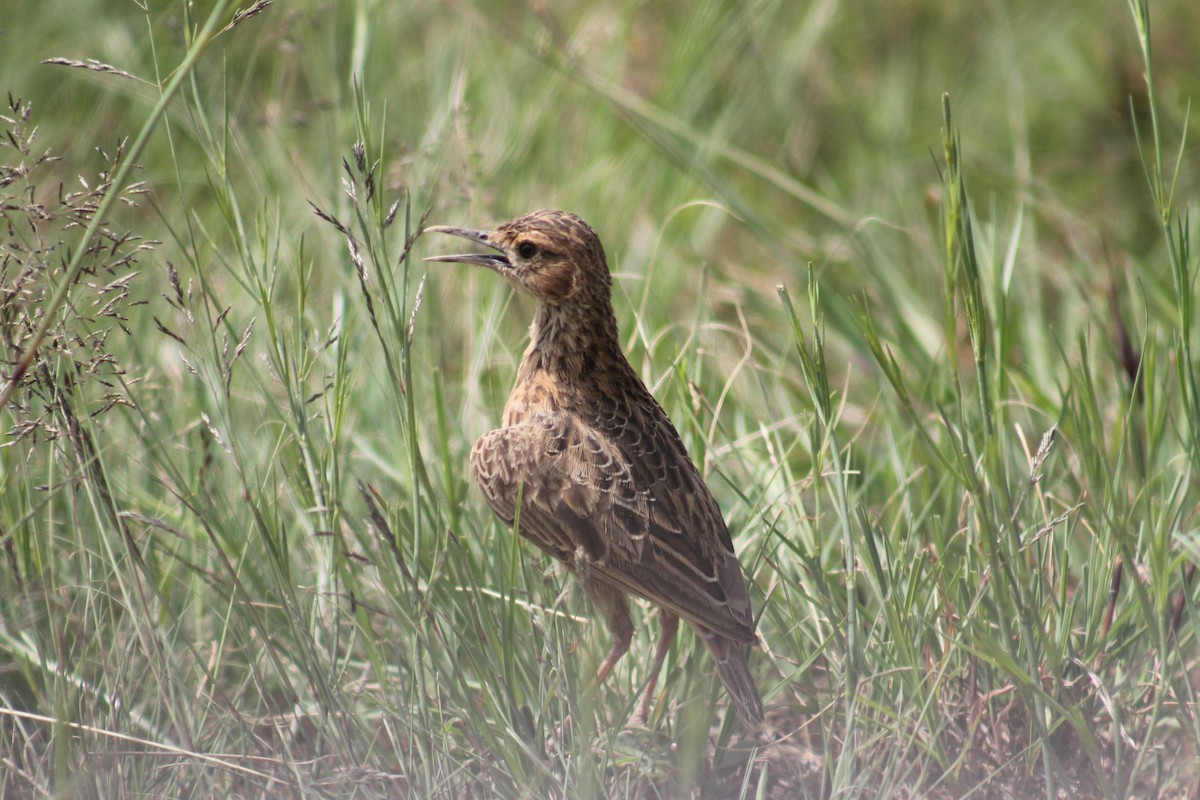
{"x":605,"y":484}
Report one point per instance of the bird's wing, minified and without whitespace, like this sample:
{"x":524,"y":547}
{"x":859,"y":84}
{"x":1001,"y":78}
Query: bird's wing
{"x":636,"y":517}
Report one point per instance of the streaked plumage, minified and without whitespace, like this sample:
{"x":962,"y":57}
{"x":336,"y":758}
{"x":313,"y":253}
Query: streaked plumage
{"x":606,"y":485}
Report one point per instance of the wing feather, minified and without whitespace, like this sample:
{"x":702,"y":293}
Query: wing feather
{"x":637,"y":510}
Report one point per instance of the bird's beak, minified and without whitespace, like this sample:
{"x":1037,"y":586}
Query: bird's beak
{"x":492,"y":261}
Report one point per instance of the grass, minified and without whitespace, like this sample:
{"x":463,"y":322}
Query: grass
{"x":916,"y":287}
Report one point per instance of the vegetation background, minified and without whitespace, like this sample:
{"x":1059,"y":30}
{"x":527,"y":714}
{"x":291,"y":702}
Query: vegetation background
{"x":936,"y":355}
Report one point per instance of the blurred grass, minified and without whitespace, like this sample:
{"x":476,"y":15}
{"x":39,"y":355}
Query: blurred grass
{"x":243,"y":556}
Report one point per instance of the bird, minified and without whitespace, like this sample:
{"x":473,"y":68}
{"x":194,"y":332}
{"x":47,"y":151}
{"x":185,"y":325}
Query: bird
{"x":604,"y":482}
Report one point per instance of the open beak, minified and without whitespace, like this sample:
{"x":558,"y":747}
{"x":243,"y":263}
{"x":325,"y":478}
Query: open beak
{"x":489,"y":260}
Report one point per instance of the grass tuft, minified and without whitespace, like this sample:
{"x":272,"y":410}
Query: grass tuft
{"x":241,"y":553}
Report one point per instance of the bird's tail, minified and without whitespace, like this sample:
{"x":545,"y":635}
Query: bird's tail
{"x":730,"y":658}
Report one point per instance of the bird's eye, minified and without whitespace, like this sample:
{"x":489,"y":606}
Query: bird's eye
{"x":527,"y":249}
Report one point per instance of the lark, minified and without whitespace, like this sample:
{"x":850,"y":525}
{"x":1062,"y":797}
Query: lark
{"x":605,"y":484}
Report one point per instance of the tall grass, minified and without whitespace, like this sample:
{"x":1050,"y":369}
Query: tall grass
{"x":916,"y":287}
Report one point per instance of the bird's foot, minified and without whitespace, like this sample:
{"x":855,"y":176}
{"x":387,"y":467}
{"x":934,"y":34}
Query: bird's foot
{"x":638,"y":720}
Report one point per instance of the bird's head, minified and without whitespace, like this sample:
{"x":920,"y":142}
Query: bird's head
{"x":553,"y":255}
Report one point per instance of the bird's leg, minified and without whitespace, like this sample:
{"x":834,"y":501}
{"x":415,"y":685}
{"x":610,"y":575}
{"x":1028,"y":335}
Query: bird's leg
{"x":670,"y":626}
{"x":611,"y":604}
